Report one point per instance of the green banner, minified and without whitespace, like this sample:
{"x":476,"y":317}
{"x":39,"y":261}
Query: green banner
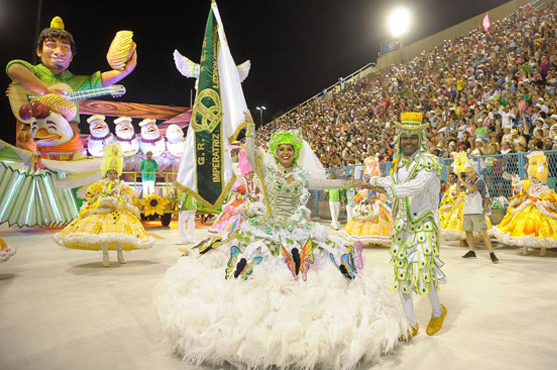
{"x":206,"y":121}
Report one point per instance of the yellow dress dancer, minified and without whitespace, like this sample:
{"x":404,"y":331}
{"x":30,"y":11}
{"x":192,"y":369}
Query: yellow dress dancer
{"x":6,"y":251}
{"x":451,"y":214}
{"x":531,"y":218}
{"x":372,"y":222}
{"x":109,"y":220}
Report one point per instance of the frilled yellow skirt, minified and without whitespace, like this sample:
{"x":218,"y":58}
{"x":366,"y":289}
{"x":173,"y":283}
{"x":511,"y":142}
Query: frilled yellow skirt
{"x":370,"y":230}
{"x":451,"y":220}
{"x":528,"y":226}
{"x":91,"y":230}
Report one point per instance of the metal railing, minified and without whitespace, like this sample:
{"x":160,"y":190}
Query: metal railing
{"x":494,"y":169}
{"x":164,"y":185}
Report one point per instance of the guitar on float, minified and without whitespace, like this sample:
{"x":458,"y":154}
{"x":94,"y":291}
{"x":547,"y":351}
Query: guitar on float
{"x":19,"y":95}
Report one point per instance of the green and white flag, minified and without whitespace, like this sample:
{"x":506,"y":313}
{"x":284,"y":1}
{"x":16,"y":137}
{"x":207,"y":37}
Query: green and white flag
{"x":218,"y":115}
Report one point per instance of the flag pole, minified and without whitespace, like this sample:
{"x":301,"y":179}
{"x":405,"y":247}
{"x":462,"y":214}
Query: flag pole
{"x":262,"y":181}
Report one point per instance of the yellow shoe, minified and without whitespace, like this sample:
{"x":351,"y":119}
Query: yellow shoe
{"x":436,"y":323}
{"x":411,"y":333}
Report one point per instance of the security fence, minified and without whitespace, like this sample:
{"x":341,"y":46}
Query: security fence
{"x":496,"y":170}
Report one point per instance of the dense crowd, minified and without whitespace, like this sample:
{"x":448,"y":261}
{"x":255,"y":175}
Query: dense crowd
{"x":485,"y":93}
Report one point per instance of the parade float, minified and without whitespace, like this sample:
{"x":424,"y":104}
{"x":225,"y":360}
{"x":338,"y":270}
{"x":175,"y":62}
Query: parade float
{"x":45,"y":174}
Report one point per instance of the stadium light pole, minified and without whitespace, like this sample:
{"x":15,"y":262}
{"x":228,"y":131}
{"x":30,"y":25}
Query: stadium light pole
{"x":399,"y":24}
{"x":261,"y":109}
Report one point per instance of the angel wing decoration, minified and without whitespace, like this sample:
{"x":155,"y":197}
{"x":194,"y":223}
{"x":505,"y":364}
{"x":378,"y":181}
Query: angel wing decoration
{"x":243,"y":70}
{"x":185,"y":66}
{"x":191,"y":70}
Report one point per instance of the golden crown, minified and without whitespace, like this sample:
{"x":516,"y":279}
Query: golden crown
{"x":411,"y":117}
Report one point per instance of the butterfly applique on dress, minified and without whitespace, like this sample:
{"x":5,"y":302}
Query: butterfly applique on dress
{"x":238,"y":265}
{"x":299,"y":261}
{"x":351,"y":262}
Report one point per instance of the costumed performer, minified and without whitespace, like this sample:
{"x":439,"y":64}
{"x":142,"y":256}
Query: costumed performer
{"x":413,"y":188}
{"x":280,"y":291}
{"x":372,"y":220}
{"x":6,"y":251}
{"x":246,"y":190}
{"x":56,"y":48}
{"x":109,"y":220}
{"x":531,"y":218}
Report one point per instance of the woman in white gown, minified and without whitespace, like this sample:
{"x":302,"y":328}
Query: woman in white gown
{"x":281,"y":291}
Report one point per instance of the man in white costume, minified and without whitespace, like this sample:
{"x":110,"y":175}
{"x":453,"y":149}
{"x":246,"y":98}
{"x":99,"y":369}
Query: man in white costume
{"x":413,"y":188}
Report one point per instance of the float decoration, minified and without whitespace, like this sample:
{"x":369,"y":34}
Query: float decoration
{"x":121,"y":49}
{"x":153,"y":205}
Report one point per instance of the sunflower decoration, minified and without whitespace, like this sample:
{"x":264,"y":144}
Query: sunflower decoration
{"x":153,"y":205}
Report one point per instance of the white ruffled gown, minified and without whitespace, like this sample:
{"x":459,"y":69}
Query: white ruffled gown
{"x":268,"y":315}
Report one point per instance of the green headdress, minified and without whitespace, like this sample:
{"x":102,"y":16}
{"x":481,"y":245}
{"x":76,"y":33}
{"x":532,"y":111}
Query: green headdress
{"x":291,"y":137}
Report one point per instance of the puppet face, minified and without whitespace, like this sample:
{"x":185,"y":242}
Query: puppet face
{"x":56,"y":54}
{"x":124,"y":130}
{"x":52,"y":130}
{"x":150,"y":131}
{"x":98,"y":129}
{"x":174,"y":133}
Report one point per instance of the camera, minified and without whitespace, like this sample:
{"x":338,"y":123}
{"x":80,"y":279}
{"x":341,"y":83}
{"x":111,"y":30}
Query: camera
{"x":463,"y":175}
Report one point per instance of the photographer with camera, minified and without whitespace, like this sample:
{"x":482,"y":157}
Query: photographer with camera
{"x":474,"y":213}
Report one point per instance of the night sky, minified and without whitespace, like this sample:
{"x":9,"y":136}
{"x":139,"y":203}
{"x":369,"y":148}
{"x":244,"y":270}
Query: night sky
{"x":296,"y":47}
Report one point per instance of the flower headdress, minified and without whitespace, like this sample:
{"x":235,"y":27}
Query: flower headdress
{"x":292,"y":137}
{"x":537,"y":166}
{"x":112,"y":159}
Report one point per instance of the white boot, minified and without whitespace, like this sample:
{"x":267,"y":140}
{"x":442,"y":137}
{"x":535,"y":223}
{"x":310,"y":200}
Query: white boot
{"x":120,"y":254}
{"x":106,"y":260}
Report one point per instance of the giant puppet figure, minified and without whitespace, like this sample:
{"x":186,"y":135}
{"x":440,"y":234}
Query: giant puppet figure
{"x":413,"y":188}
{"x":56,"y":48}
{"x":31,"y":193}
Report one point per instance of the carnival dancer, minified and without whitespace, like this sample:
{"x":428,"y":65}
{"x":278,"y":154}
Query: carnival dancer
{"x":451,"y":212}
{"x":109,"y":220}
{"x":413,"y":188}
{"x":531,"y":218}
{"x":246,"y":190}
{"x":372,"y":221}
{"x":272,"y":294}
{"x":6,"y":251}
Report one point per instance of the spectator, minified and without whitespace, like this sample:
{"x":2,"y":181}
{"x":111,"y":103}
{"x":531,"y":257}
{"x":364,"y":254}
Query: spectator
{"x":478,"y":86}
{"x":149,"y":169}
{"x":474,"y":216}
